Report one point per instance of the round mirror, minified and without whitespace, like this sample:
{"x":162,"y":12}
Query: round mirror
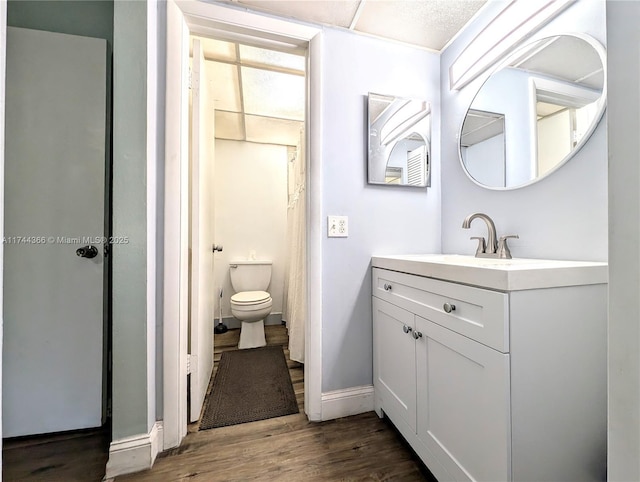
{"x":534,"y":112}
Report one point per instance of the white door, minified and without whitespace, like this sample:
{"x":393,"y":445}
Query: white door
{"x":202,"y":219}
{"x":54,"y":204}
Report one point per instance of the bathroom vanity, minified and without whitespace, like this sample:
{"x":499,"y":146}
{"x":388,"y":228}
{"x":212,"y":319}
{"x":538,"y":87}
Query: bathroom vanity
{"x":493,"y":369}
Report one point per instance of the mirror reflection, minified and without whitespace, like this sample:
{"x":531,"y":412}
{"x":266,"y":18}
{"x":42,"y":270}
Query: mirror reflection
{"x":534,"y":112}
{"x":399,"y":147}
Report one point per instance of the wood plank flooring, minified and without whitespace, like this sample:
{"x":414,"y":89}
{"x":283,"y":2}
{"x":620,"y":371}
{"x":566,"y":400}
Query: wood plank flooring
{"x":65,"y":457}
{"x":359,"y":448}
{"x":288,"y":448}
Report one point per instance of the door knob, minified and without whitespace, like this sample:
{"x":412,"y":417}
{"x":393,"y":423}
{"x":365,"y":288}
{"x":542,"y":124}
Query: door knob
{"x":217,"y":247}
{"x":449,"y":307}
{"x":87,"y":252}
{"x":407,"y":329}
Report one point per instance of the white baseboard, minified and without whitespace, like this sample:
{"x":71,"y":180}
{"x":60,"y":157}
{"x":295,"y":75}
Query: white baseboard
{"x":349,"y":401}
{"x":136,"y":453}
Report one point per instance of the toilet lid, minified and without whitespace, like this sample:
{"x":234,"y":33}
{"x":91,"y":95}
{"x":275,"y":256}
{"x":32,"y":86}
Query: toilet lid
{"x":249,"y":297}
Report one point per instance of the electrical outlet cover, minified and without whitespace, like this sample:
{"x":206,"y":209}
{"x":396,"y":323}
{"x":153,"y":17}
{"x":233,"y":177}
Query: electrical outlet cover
{"x":337,"y":226}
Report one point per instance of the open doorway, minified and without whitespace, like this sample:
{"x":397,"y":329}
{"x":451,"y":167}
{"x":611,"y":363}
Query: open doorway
{"x":213,"y":21}
{"x":247,"y":185}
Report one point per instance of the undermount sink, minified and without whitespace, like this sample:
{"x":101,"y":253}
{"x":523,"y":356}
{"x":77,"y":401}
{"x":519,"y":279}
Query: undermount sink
{"x":501,"y":274}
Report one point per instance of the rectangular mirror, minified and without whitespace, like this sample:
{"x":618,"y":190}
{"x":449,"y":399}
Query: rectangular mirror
{"x":399,"y":150}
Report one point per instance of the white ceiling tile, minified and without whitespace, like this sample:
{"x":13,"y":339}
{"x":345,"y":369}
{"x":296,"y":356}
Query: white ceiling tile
{"x":225,"y":85}
{"x":218,"y":49}
{"x":428,"y":23}
{"x":329,"y":12}
{"x":271,"y":57}
{"x":273,"y":131}
{"x":273,"y":94}
{"x":229,"y":126}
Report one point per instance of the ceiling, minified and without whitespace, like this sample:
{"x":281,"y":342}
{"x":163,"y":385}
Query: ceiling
{"x":260,"y":94}
{"x":425,"y":23}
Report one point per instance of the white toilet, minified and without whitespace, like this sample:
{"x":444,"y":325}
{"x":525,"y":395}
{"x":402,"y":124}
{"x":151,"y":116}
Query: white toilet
{"x":252,"y":303}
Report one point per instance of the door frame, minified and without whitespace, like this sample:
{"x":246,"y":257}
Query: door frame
{"x":238,"y":25}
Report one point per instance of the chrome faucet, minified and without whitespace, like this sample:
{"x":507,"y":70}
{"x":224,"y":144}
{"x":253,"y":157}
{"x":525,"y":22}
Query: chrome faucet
{"x":490,"y":249}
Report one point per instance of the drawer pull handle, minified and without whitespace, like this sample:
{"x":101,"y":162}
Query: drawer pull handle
{"x":417,"y":334}
{"x":387,"y":287}
{"x":407,"y":329}
{"x":449,"y":307}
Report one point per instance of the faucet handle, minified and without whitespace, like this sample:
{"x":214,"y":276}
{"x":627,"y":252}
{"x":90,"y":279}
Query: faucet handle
{"x":482,"y":245}
{"x":503,"y":249}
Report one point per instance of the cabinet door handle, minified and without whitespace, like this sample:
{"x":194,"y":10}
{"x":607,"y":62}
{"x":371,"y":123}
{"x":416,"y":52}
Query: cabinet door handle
{"x":387,"y":287}
{"x":449,"y":307}
{"x":417,"y":334}
{"x":407,"y":329}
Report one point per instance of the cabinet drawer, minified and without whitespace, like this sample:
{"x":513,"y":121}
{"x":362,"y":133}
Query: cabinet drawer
{"x":479,"y":314}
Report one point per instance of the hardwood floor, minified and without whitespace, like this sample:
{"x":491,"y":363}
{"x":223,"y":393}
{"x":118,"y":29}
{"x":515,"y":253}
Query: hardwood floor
{"x":66,"y":457}
{"x":359,"y":448}
{"x":288,"y":448}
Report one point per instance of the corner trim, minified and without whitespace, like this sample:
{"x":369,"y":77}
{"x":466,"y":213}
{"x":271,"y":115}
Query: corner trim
{"x":135,"y":453}
{"x":346,"y":402}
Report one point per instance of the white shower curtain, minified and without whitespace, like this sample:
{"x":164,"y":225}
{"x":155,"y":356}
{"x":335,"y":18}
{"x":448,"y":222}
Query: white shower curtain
{"x":295,"y":303}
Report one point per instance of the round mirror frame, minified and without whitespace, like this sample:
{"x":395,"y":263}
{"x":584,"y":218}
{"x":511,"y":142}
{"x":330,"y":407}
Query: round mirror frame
{"x":602,"y":104}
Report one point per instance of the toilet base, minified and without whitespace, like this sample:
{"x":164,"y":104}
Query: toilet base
{"x":252,"y":335}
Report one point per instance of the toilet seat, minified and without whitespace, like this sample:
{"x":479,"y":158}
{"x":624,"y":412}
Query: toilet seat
{"x":250,"y":297}
{"x":251,"y":301}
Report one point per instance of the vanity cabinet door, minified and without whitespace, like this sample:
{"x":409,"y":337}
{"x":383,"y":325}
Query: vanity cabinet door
{"x":463,"y":412}
{"x":394,"y":367}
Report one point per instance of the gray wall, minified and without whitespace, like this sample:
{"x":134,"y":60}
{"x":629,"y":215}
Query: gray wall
{"x":131,"y":381}
{"x":623,"y":38}
{"x":382,"y":219}
{"x":563,"y":216}
{"x":87,"y":18}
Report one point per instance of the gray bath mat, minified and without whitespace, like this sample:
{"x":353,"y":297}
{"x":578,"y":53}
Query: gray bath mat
{"x":249,"y":385}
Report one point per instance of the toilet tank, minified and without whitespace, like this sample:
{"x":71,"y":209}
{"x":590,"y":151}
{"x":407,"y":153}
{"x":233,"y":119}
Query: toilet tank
{"x":250,"y":275}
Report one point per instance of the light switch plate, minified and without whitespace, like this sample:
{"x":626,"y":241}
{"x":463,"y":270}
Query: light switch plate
{"x":337,"y":226}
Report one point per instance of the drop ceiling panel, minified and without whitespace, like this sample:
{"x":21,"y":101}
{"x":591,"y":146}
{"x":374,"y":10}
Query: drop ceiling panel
{"x":429,"y":23}
{"x":225,"y":85}
{"x":273,"y":94}
{"x":271,"y":57}
{"x":229,"y":126}
{"x":218,"y":49}
{"x":329,"y":12}
{"x":272,"y":131}
{"x":583,"y":62}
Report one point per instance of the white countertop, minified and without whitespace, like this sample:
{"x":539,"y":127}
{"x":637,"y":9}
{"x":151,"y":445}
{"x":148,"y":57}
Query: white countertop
{"x":499,"y":274}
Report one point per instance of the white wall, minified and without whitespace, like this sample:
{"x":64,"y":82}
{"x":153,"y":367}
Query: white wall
{"x":485,"y":161}
{"x":624,"y":256}
{"x":508,"y":93}
{"x":565,"y":215}
{"x":251,"y":212}
{"x":382,"y":219}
